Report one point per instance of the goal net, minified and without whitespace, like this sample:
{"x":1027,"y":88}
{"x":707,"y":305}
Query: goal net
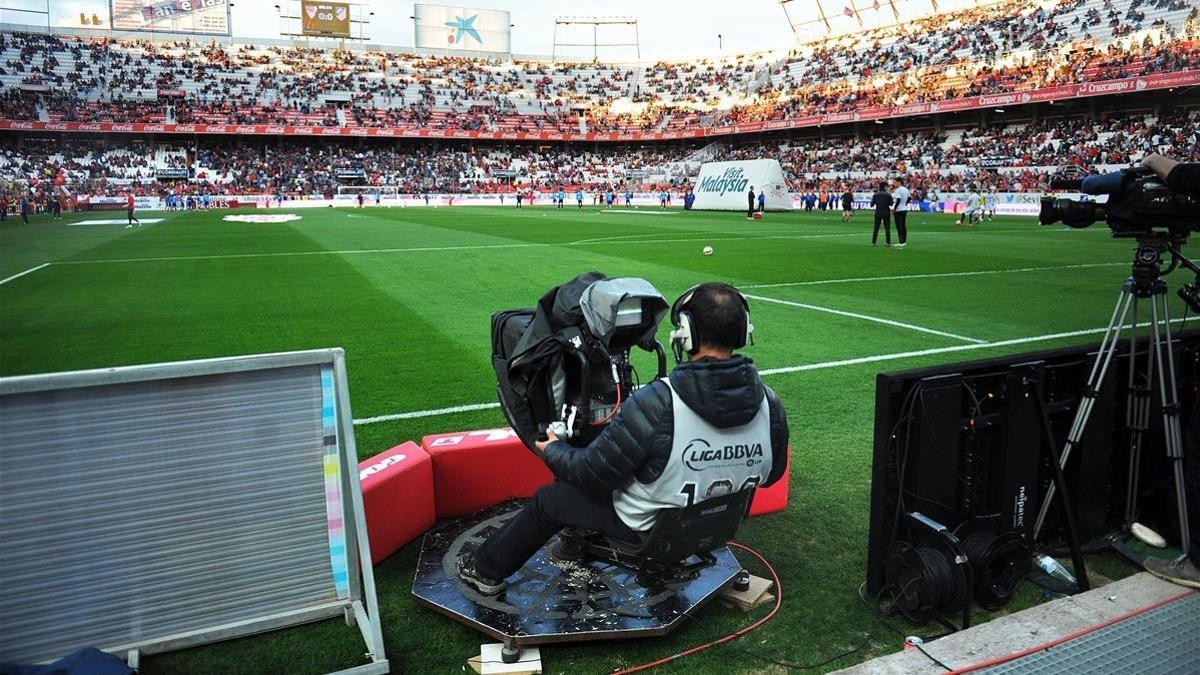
{"x":369,"y":191}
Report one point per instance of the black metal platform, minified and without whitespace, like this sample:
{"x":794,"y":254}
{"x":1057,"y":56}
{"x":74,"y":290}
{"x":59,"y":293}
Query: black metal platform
{"x":555,"y":602}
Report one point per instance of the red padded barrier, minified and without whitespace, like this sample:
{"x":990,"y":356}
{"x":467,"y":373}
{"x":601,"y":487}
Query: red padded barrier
{"x":774,"y":498}
{"x":473,"y":470}
{"x":397,"y":487}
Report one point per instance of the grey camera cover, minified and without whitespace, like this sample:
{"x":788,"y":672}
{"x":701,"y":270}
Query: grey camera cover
{"x":600,"y":300}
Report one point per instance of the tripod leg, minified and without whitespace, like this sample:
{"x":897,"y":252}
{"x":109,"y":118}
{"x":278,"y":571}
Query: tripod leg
{"x":1108,"y":347}
{"x":1169,"y":391}
{"x":1137,"y":419}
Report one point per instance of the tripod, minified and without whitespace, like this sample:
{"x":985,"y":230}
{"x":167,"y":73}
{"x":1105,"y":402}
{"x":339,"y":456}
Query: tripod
{"x":1145,"y":283}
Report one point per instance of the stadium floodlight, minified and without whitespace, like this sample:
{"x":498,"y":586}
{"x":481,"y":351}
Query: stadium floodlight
{"x":596,"y":23}
{"x":831,"y":20}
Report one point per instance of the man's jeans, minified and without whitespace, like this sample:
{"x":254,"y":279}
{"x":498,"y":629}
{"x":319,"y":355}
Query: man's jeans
{"x":552,"y":508}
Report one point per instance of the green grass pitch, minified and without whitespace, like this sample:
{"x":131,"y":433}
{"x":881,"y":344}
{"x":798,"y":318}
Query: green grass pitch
{"x":408,"y":293}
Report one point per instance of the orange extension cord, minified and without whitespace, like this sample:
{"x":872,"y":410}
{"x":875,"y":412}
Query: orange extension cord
{"x":732,"y":636}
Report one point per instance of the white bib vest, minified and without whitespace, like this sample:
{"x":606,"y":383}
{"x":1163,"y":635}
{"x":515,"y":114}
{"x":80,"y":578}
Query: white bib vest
{"x":705,"y":462}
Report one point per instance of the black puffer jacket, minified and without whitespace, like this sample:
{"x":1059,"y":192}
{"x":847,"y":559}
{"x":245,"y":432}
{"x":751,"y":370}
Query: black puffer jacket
{"x":637,"y":443}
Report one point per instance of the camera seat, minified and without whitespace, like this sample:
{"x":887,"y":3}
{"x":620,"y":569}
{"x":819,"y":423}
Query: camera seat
{"x":676,"y":548}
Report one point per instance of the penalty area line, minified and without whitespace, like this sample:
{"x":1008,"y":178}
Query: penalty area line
{"x":18,"y":275}
{"x":936,"y":275}
{"x":796,"y":369}
{"x":940,"y":350}
{"x":867,"y":317}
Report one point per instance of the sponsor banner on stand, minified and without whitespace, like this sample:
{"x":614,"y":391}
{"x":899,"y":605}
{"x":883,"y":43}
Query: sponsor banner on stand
{"x":462,"y":29}
{"x":106,"y":203}
{"x":203,"y":17}
{"x":724,"y":186}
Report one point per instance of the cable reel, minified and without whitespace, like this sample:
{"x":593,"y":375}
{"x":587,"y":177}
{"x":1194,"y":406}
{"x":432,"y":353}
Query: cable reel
{"x":999,"y":561}
{"x":926,"y":582}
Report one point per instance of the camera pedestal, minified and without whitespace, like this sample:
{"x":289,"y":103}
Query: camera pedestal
{"x":548,"y":602}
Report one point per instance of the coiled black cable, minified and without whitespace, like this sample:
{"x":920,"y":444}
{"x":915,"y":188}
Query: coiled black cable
{"x":927,"y":582}
{"x":999,"y":562}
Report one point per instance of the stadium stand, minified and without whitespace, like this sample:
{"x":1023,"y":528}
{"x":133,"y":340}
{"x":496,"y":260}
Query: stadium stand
{"x":1029,"y":154}
{"x":1003,"y":48}
{"x":1011,"y":46}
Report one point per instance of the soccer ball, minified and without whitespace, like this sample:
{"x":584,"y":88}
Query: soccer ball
{"x":708,"y":250}
{"x":758,"y":215}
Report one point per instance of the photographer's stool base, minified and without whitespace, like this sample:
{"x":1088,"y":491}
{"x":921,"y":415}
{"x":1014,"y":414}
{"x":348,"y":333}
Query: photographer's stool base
{"x":563,"y":602}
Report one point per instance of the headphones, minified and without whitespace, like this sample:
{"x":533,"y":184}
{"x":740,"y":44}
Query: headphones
{"x":685,"y":338}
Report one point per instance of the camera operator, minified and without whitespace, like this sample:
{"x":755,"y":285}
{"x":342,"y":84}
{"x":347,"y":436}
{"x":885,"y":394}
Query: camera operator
{"x":645,"y":460}
{"x":1185,"y":178}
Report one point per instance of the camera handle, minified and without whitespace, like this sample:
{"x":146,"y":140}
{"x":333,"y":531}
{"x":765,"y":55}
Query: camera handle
{"x":1144,"y":283}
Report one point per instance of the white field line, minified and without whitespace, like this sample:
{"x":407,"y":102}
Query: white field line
{"x":867,"y":317}
{"x":428,"y":413}
{"x":112,"y":221}
{"x":619,"y":237}
{"x":939,"y":350}
{"x":479,"y":247}
{"x":18,"y":275}
{"x":797,"y":369}
{"x":430,"y":249}
{"x":699,"y":236}
{"x":939,"y":275}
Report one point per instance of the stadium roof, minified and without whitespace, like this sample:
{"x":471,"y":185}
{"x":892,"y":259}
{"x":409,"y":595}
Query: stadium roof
{"x":666,"y":29}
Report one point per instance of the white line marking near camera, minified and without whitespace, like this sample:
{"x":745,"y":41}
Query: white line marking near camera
{"x":793,"y":369}
{"x":18,"y":275}
{"x":428,"y":413}
{"x":866,"y":317}
{"x":938,"y":350}
{"x":939,"y":275}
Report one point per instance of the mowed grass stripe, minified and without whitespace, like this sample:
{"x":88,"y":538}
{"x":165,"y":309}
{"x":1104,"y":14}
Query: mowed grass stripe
{"x":768,"y":372}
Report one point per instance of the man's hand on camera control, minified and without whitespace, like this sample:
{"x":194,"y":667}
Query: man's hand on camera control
{"x":1159,"y":164}
{"x":550,"y":438}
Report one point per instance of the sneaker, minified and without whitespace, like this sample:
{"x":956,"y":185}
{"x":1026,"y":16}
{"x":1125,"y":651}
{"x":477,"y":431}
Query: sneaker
{"x":471,"y":577}
{"x":902,"y":245}
{"x":1180,"y":571}
{"x":567,"y":549}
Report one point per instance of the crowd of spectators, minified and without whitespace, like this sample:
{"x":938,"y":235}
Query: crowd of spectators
{"x":1008,"y":157}
{"x":1008,"y":46}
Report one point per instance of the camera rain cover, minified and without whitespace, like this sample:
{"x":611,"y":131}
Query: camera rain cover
{"x":572,"y":324}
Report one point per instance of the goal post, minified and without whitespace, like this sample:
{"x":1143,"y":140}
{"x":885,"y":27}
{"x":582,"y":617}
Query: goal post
{"x":368,"y":191}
